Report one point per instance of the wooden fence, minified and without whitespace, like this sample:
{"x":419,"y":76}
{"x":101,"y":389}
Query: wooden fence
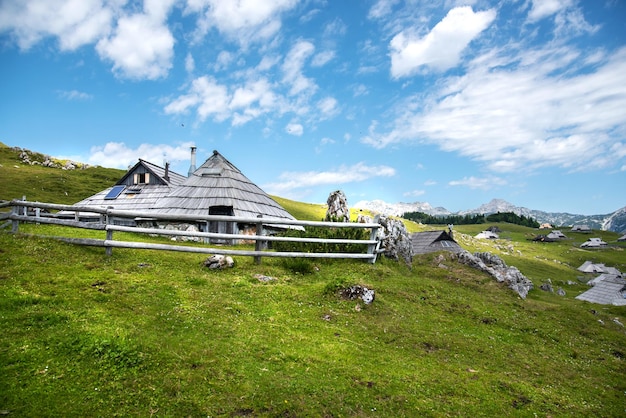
{"x":36,"y":212}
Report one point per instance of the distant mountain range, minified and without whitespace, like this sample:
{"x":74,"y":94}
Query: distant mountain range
{"x":615,"y":221}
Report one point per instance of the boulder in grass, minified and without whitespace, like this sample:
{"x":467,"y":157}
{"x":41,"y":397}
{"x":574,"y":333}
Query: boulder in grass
{"x":219,"y":262}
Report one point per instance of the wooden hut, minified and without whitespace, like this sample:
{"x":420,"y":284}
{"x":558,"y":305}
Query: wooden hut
{"x":432,"y":241}
{"x":217,"y":187}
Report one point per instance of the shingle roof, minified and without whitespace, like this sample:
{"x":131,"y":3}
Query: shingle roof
{"x":431,"y":241}
{"x":590,"y":267}
{"x":610,"y":291}
{"x":218,"y":182}
{"x":137,"y":197}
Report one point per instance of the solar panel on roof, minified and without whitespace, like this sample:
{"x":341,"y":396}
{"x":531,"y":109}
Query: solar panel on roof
{"x":114,"y":192}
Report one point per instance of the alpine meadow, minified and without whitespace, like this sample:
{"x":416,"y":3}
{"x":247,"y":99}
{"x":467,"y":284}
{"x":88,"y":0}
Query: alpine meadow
{"x":155,"y":333}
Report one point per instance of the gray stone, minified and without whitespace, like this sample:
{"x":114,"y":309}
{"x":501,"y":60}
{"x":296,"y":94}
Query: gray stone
{"x":338,"y":210}
{"x":395,"y":241}
{"x":498,"y":269}
{"x":219,"y":262}
{"x":357,"y":291}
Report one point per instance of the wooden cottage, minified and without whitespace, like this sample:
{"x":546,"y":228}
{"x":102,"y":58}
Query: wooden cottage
{"x":594,"y":243}
{"x":581,"y":228}
{"x":432,"y":241}
{"x":217,"y":187}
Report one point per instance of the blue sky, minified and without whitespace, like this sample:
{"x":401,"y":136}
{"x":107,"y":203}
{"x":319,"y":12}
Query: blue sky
{"x":447,"y":102}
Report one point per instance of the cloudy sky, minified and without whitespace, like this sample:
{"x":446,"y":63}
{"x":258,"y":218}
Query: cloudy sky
{"x":448,"y":102}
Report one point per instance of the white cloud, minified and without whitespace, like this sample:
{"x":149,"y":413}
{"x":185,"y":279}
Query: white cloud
{"x":328,"y":107}
{"x":241,"y":103}
{"x":293,"y":65}
{"x":441,"y":48}
{"x":119,"y":155}
{"x":322,"y":58}
{"x":74,"y":95}
{"x":142,"y":45}
{"x":190,"y":64}
{"x":360,"y":90}
{"x":246,"y":21}
{"x":414,"y":193}
{"x":359,"y":172}
{"x":381,"y":8}
{"x":514,"y":113}
{"x":544,"y":8}
{"x":74,"y":22}
{"x":295,"y":129}
{"x":486,"y":183}
{"x":207,"y":96}
{"x":223,"y":60}
{"x":335,"y":28}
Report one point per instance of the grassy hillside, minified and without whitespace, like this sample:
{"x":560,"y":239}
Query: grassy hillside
{"x":147,"y":333}
{"x":150,"y":333}
{"x":52,"y":185}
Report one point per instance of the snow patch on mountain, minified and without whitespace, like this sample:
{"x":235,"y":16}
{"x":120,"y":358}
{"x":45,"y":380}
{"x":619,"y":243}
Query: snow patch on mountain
{"x":615,"y":221}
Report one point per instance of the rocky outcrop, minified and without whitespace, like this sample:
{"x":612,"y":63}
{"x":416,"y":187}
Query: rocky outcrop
{"x":395,"y":241}
{"x":31,"y":158}
{"x":338,"y":210}
{"x":498,"y":269}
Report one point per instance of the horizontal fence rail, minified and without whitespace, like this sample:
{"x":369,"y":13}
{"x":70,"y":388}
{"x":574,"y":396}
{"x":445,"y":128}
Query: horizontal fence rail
{"x":37,"y":212}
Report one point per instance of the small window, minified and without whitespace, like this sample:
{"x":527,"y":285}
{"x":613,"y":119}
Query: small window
{"x":142,"y":178}
{"x":114,"y":192}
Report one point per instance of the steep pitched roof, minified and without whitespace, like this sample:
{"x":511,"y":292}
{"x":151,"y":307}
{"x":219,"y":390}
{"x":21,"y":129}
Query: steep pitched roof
{"x":610,"y":291}
{"x":603,"y":277}
{"x":431,"y":241}
{"x":487,"y":235}
{"x":593,"y":243}
{"x":218,"y":183}
{"x":161,"y":175}
{"x":126,"y":195}
{"x":591,"y":267}
{"x":556,"y":234}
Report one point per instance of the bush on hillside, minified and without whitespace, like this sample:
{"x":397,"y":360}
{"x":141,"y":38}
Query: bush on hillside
{"x":324,"y":233}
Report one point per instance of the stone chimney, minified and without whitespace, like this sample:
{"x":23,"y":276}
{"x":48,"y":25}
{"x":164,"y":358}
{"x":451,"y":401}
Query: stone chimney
{"x":167,"y":172}
{"x":192,"y":167}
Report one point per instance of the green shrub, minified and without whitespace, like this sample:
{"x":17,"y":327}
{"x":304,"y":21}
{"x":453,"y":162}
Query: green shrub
{"x":324,"y":233}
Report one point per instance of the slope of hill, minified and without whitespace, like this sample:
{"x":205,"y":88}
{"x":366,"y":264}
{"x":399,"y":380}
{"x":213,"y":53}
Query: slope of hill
{"x":146,"y":333}
{"x":155,"y":333}
{"x":54,"y":183}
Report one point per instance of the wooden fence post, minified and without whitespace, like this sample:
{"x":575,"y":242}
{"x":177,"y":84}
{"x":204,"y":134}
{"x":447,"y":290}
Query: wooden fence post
{"x":16,"y":224}
{"x":372,"y":248}
{"x":258,"y":244}
{"x":109,"y":236}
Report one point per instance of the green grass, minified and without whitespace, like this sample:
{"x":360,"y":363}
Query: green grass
{"x":145,"y":333}
{"x":52,"y":185}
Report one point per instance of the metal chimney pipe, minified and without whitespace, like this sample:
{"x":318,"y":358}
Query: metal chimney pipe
{"x":192,"y":167}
